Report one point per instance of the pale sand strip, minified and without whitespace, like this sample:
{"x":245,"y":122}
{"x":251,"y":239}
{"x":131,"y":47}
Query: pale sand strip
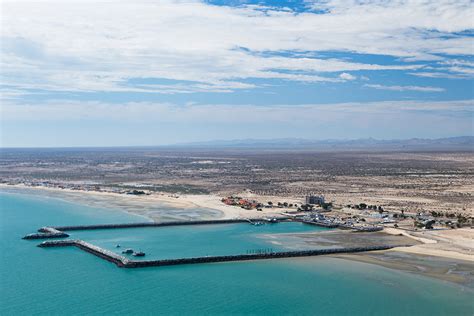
{"x":453,"y":243}
{"x":456,"y":243}
{"x":210,"y":201}
{"x":422,"y":250}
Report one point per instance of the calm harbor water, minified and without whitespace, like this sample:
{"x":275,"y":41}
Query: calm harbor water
{"x":70,"y":281}
{"x":193,"y":241}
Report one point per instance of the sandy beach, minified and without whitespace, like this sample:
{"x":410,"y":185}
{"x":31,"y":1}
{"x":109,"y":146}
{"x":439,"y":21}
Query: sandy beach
{"x":447,"y":243}
{"x":203,"y":205}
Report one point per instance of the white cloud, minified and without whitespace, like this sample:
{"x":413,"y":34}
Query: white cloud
{"x":458,"y":62}
{"x":347,"y":76}
{"x":61,"y":110}
{"x":402,"y":13}
{"x":449,"y":69}
{"x":437,"y":74}
{"x":99,"y":45}
{"x":404,"y":88}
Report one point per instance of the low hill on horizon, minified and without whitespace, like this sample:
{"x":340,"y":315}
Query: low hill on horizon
{"x":449,"y":143}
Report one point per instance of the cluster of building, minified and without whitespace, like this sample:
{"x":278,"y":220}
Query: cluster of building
{"x":52,"y":184}
{"x":311,"y":201}
{"x":244,"y":203}
{"x":422,"y":220}
{"x":88,"y":187}
{"x":339,"y":222}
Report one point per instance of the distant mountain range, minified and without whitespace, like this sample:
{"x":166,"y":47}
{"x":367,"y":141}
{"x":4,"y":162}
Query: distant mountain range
{"x":460,"y":143}
{"x":451,"y":143}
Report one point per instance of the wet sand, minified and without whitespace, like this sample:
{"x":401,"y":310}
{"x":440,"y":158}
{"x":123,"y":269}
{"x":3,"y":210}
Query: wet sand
{"x":451,"y":270}
{"x":336,"y":238}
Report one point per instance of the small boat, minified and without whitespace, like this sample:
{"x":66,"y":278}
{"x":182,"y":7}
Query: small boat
{"x":139,"y":254}
{"x":117,"y":246}
{"x":128,"y":251}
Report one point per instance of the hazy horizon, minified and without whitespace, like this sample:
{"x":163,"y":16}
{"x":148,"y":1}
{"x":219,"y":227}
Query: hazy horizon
{"x":461,"y":140}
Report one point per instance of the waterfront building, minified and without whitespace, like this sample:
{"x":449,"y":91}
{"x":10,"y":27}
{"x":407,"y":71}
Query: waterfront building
{"x":315,"y":199}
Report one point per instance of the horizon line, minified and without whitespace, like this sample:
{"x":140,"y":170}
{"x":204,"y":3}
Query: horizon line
{"x":207,"y":143}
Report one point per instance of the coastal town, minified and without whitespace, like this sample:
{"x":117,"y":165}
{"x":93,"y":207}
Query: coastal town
{"x":353,"y":192}
{"x":434,"y":229}
{"x":359,"y":216}
{"x":311,"y":208}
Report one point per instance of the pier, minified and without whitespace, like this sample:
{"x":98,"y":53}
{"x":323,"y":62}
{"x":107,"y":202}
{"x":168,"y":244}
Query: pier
{"x":95,"y":250}
{"x":149,"y":224}
{"x":59,"y":231}
{"x":321,"y":224}
{"x":162,"y":224}
{"x":123,"y":262}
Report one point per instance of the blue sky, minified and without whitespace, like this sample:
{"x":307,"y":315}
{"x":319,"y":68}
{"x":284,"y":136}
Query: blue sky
{"x":146,"y":72}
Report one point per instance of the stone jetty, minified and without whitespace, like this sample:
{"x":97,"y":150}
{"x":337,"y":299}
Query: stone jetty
{"x":123,"y":262}
{"x":47,"y":232}
{"x":59,"y":231}
{"x":150,"y":224}
{"x":88,"y":247}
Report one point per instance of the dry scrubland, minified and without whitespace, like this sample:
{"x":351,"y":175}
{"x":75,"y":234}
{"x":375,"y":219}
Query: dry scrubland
{"x":413,"y":181}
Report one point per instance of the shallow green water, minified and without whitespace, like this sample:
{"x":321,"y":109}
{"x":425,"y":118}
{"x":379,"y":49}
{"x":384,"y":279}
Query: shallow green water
{"x":69,"y":281}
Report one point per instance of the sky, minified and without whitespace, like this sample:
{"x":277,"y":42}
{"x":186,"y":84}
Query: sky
{"x":149,"y":72}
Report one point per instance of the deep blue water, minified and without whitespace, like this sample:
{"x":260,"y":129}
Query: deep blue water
{"x":69,"y":281}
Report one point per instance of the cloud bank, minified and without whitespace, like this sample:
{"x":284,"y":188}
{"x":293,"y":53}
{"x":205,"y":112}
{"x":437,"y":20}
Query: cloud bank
{"x":404,"y":88}
{"x":87,"y":46}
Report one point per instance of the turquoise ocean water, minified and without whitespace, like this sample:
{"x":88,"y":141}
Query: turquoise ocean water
{"x":69,"y":281}
{"x":193,"y":241}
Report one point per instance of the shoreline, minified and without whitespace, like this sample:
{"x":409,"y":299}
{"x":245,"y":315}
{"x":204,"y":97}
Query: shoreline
{"x":451,"y":244}
{"x":186,"y":201}
{"x":447,"y":269}
{"x":446,"y":245}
